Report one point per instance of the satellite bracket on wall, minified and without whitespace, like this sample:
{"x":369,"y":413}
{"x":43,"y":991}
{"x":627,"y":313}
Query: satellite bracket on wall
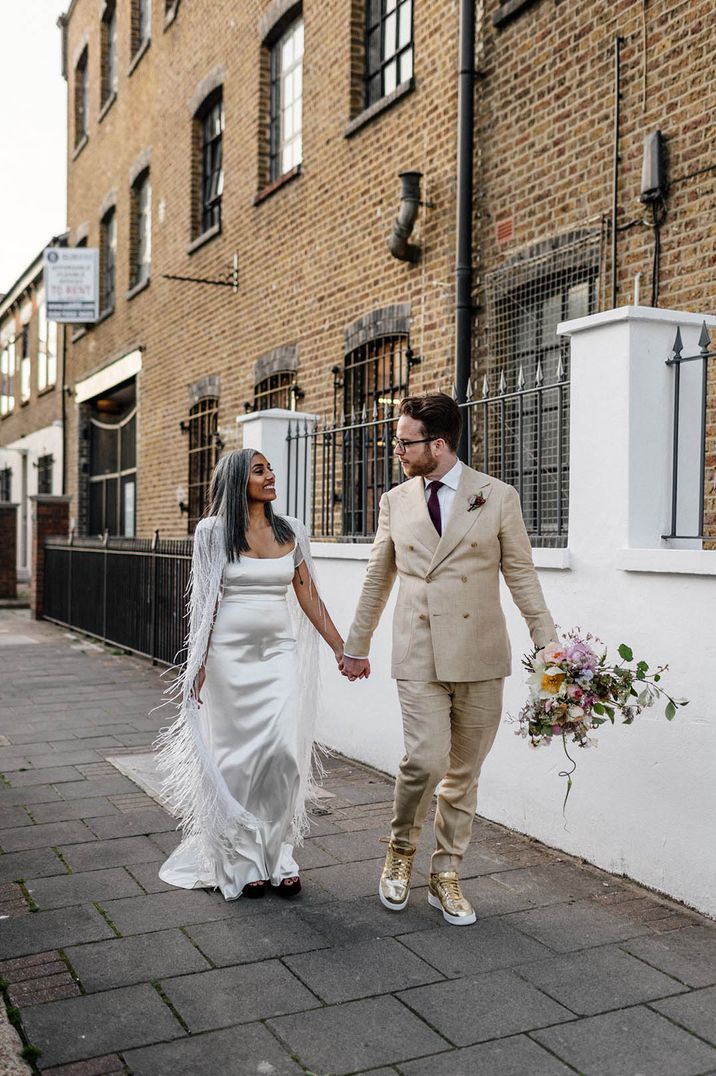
{"x":231,"y":281}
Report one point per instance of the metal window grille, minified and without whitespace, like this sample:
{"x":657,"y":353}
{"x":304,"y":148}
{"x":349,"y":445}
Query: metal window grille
{"x":113,"y":468}
{"x":5,"y":484}
{"x":109,"y":51}
{"x":44,"y":474}
{"x":388,"y":47}
{"x":286,"y":138}
{"x":519,"y":411}
{"x":108,"y":259}
{"x":203,"y":454}
{"x":358,"y":456}
{"x":141,"y":229}
{"x":211,"y":120}
{"x":81,"y":98}
{"x":276,"y":390}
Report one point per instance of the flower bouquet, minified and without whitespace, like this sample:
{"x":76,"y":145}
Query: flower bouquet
{"x":574,"y":688}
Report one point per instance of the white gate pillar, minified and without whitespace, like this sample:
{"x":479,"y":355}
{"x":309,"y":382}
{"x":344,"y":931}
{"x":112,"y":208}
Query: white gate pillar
{"x":285,"y":439}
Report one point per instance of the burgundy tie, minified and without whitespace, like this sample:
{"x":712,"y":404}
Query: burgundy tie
{"x":434,"y":506}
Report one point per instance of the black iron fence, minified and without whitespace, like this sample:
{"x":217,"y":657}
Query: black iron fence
{"x":126,"y":591}
{"x":694,"y":443}
{"x":519,"y":434}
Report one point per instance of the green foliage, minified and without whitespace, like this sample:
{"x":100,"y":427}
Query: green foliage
{"x":625,"y":652}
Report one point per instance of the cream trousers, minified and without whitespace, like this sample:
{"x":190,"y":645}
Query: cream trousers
{"x":448,"y":729}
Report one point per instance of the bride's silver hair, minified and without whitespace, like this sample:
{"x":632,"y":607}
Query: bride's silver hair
{"x":228,"y":499}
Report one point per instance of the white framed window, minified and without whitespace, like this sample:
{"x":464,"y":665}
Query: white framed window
{"x":109,"y":52}
{"x":286,"y":126}
{"x":46,"y":347}
{"x":388,"y":47}
{"x":7,"y":377}
{"x":141,"y":241}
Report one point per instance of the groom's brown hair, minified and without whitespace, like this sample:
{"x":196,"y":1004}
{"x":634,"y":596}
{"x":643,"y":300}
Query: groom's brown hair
{"x":438,"y":413}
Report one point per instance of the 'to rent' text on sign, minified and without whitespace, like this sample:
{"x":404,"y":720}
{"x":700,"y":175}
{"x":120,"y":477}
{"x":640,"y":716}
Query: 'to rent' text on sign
{"x":72,"y":283}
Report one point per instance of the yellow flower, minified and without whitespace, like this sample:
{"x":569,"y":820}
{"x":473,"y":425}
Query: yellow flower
{"x":552,"y":680}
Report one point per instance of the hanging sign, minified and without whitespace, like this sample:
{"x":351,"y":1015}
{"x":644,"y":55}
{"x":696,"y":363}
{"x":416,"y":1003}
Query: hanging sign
{"x":71,"y":283}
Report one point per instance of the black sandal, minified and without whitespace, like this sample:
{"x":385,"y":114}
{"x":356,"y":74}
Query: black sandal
{"x":254,"y":890}
{"x":288,"y":889}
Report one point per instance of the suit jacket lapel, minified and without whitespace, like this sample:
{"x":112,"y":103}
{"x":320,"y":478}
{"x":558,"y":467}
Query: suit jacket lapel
{"x":461,"y":518}
{"x":420,"y":521}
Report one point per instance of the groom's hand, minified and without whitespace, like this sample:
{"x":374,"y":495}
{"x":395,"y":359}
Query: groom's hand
{"x":355,"y":668}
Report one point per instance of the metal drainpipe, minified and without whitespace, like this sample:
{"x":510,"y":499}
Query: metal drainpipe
{"x":463,"y":273}
{"x":405,"y":221}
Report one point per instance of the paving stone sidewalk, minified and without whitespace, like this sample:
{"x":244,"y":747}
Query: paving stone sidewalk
{"x":110,"y":971}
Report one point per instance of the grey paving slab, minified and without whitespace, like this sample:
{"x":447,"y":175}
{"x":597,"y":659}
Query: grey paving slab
{"x":249,"y":1050}
{"x":180,"y":907}
{"x":98,"y":1024}
{"x":98,"y":786}
{"x":695,"y":1011}
{"x":65,"y":812}
{"x":44,"y":836}
{"x":237,"y":995}
{"x":593,"y":981}
{"x":92,"y":743}
{"x":10,"y":817}
{"x":365,"y":919}
{"x":353,"y":847}
{"x":51,"y":759}
{"x":10,"y":797}
{"x":564,"y":927}
{"x":362,"y":970}
{"x":514,"y":1056}
{"x":86,"y":887}
{"x":52,"y":775}
{"x":366,"y":791}
{"x":154,"y":820}
{"x":257,"y":937}
{"x":123,"y":961}
{"x":115,"y":853}
{"x":54,"y":929}
{"x":499,"y":1003}
{"x":37,"y":863}
{"x":631,"y":1041}
{"x":166,"y":842}
{"x":358,"y":1035}
{"x":346,"y":881}
{"x":688,"y":954}
{"x":485,"y":946}
{"x":311,"y":855}
{"x":555,"y":883}
{"x":147,"y":874}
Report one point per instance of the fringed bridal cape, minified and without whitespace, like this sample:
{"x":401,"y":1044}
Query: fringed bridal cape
{"x":238,"y":769}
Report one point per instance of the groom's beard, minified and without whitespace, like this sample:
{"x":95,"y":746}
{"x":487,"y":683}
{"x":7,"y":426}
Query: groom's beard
{"x":423,"y":466}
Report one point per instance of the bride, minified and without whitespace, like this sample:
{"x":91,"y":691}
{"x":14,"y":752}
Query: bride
{"x":237,"y":762}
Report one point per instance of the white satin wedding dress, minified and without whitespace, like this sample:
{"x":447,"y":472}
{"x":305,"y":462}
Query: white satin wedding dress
{"x":250,"y":725}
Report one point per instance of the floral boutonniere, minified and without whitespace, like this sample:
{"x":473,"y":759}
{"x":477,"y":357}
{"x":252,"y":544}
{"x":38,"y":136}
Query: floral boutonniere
{"x":476,"y":501}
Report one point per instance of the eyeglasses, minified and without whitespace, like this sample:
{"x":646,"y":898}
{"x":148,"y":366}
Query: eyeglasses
{"x":403,"y":446}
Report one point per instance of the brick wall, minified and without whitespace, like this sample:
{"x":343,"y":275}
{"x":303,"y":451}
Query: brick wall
{"x":8,"y":551}
{"x":312,"y":256}
{"x":50,"y":516}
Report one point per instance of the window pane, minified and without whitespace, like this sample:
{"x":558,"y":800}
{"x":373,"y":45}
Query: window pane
{"x":103,"y":449}
{"x":129,"y":444}
{"x":578,"y":300}
{"x":406,"y":66}
{"x":390,"y":77}
{"x":389,"y":36}
{"x":405,"y":21}
{"x":127,"y":506}
{"x":111,"y":519}
{"x":96,"y":507}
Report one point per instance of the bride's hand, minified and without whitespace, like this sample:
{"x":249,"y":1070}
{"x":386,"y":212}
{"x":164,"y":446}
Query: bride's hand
{"x":199,"y":683}
{"x":338,"y":653}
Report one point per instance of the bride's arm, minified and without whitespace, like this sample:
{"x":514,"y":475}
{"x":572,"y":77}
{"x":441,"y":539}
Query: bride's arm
{"x":315,"y":610}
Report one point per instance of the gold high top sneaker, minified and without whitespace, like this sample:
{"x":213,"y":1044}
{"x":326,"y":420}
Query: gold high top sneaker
{"x":394,"y":888}
{"x":444,"y":892}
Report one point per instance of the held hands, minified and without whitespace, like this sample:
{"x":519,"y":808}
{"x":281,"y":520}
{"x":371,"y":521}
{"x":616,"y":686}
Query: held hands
{"x":354,"y":668}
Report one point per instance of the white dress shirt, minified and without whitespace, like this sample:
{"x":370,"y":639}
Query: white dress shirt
{"x":446,"y":500}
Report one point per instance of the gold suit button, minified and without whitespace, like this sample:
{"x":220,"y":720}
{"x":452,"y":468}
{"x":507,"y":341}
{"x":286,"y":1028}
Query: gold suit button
{"x":464,"y":579}
{"x":465,"y":616}
{"x":411,"y":548}
{"x":427,"y":579}
{"x":422,"y":617}
{"x":473,"y":545}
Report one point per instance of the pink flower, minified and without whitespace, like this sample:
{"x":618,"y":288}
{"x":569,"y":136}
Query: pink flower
{"x":552,"y":652}
{"x":574,"y":692}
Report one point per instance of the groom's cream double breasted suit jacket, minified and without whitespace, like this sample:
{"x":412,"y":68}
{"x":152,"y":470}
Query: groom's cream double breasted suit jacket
{"x":449,"y":624}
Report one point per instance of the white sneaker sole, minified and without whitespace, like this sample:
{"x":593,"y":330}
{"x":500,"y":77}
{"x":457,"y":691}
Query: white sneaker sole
{"x":454,"y":920}
{"x":389,"y":904}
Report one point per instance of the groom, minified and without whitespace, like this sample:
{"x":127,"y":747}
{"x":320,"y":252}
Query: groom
{"x":447,"y":533}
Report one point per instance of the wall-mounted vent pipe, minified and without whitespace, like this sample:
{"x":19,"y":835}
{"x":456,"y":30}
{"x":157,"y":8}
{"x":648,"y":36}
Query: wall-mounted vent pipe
{"x":405,"y":221}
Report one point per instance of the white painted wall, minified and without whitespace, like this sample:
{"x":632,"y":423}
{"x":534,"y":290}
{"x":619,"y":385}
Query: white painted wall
{"x":644,"y":803}
{"x":21,"y":456}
